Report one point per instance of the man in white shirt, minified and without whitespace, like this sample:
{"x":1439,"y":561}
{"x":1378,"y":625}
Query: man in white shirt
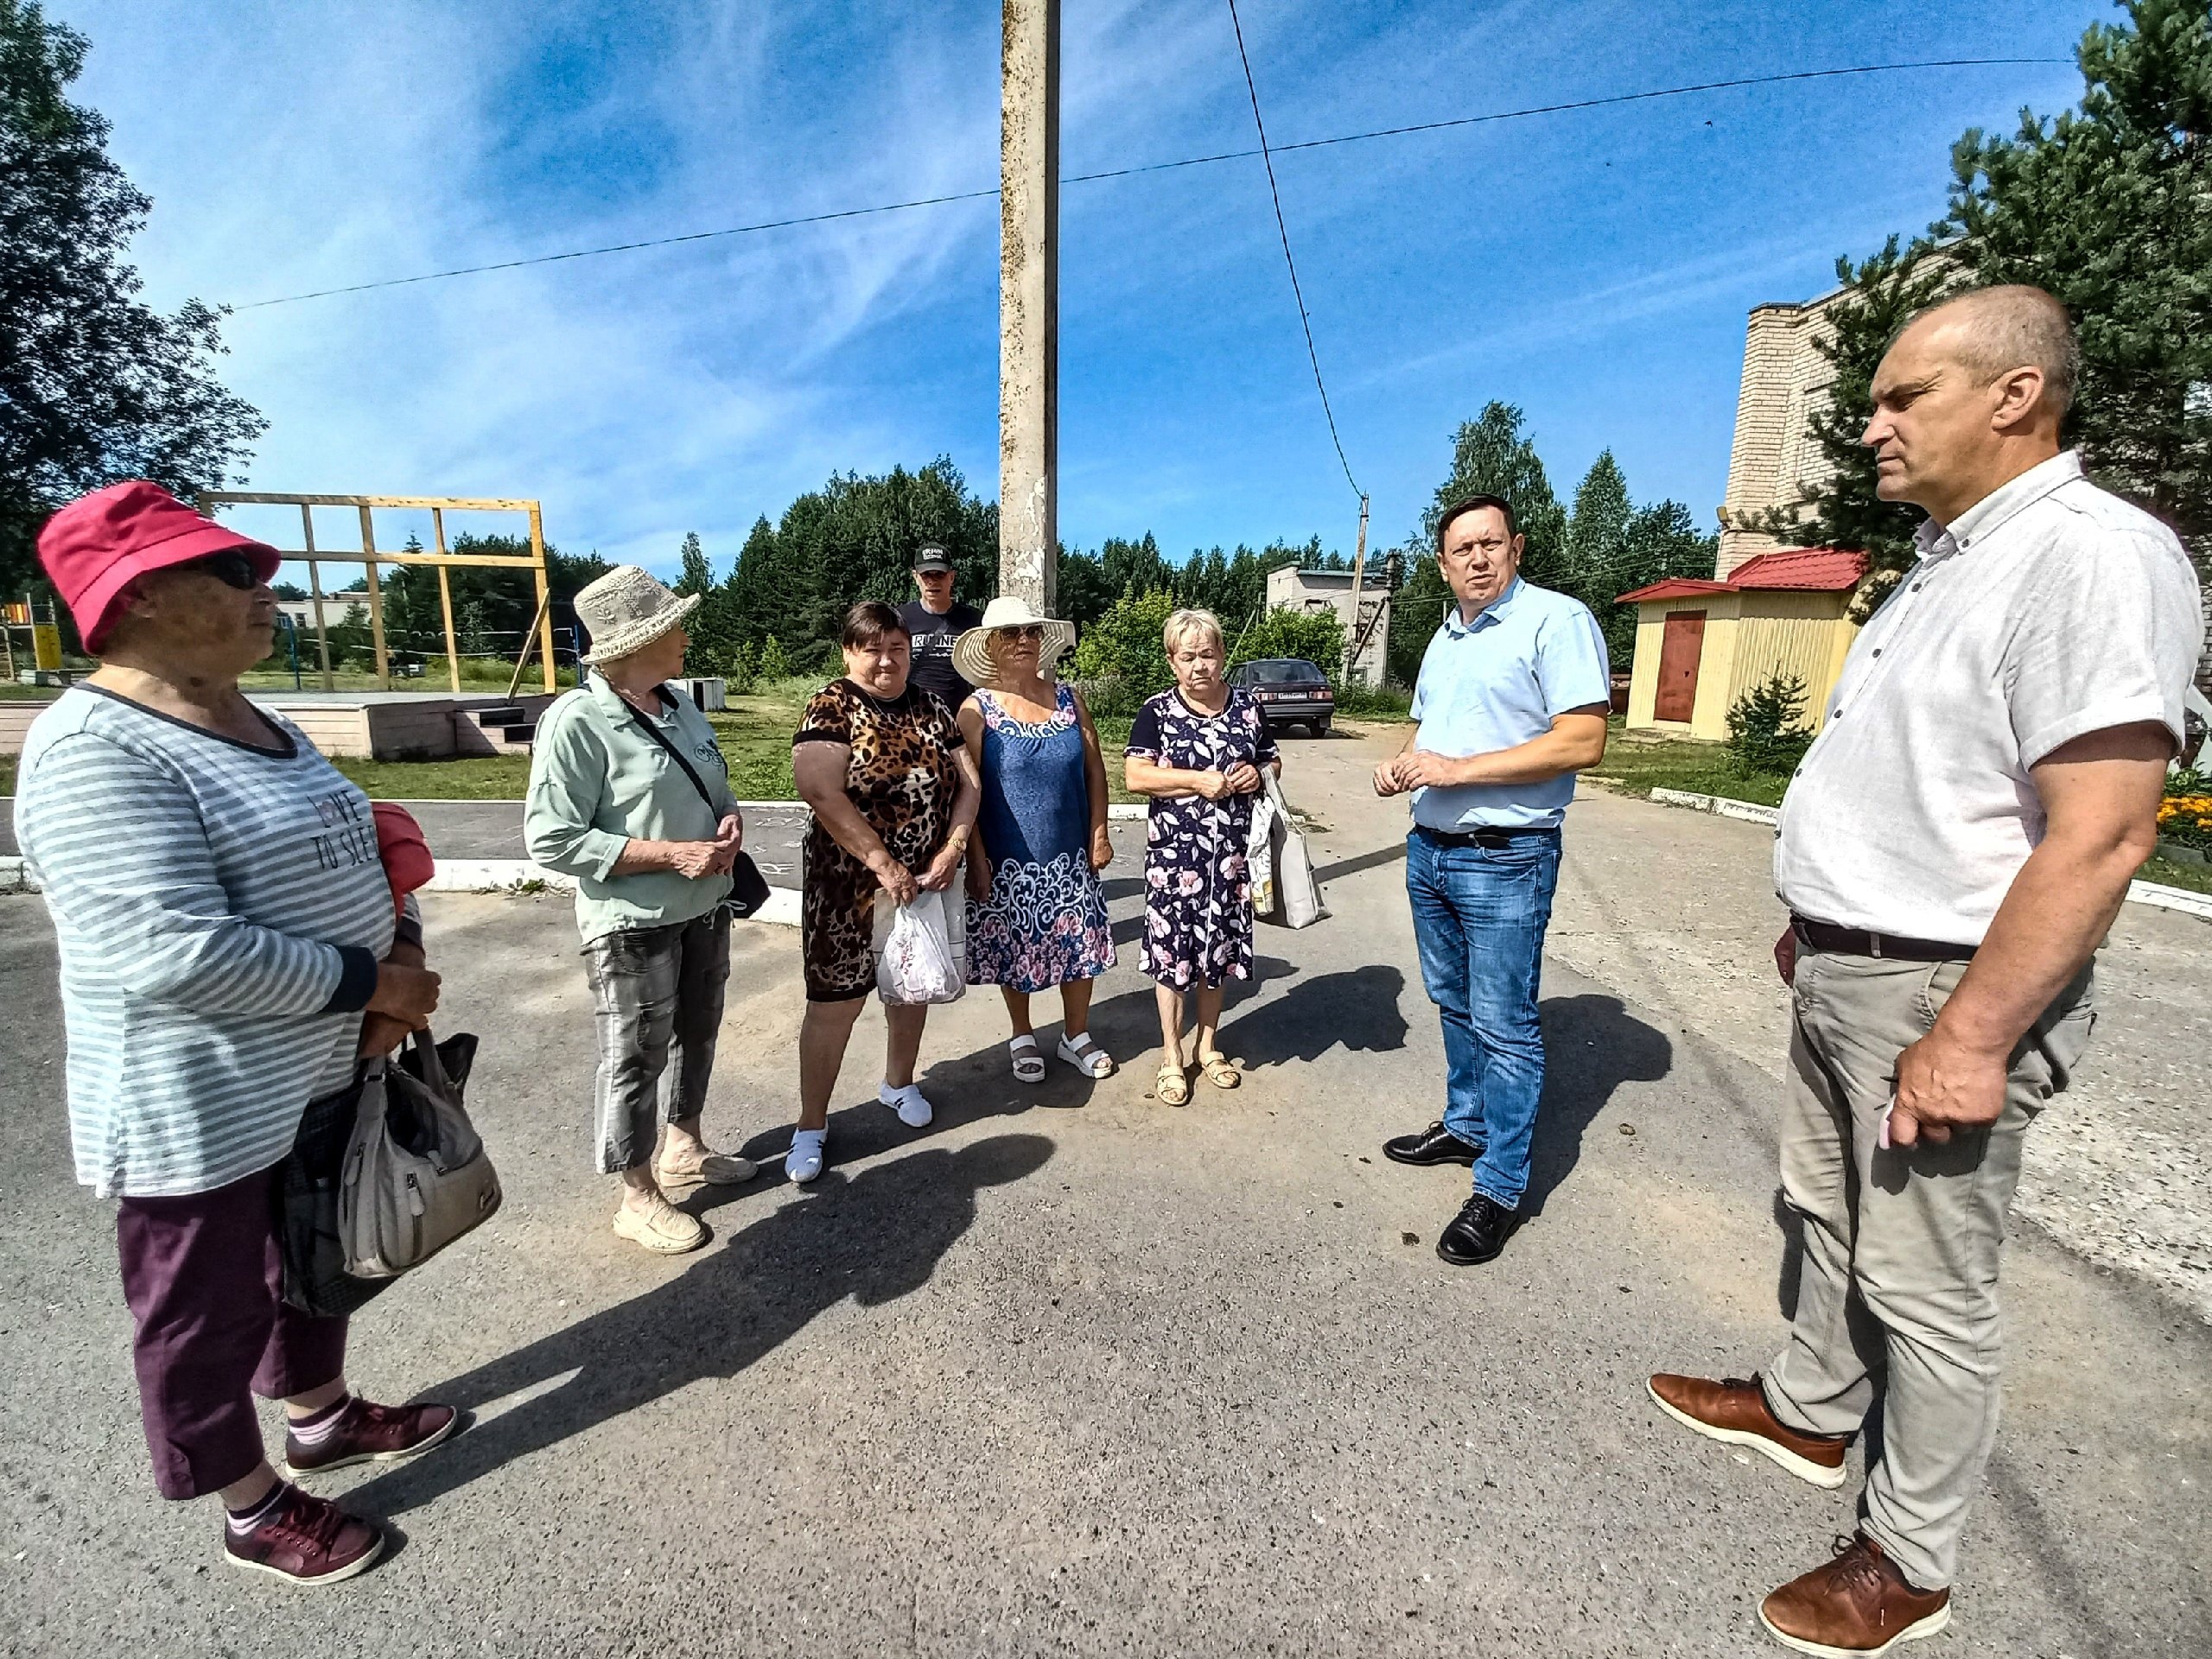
{"x":1952,"y":851}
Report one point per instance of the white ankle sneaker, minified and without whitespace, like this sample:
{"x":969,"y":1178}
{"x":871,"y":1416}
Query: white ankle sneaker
{"x":803,"y":1161}
{"x":913,"y":1111}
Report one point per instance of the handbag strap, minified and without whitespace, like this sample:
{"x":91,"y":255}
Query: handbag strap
{"x":654,"y":732}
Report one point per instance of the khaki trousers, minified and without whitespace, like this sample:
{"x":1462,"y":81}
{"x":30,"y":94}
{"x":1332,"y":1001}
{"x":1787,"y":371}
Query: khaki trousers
{"x":1898,"y":1294}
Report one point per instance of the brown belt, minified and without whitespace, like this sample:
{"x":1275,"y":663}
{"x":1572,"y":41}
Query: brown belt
{"x":1858,"y":942}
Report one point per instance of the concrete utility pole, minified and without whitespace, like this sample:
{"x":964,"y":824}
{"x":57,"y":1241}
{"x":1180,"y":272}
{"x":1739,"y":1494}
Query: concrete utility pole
{"x":1029,"y":301}
{"x":1355,"y":635}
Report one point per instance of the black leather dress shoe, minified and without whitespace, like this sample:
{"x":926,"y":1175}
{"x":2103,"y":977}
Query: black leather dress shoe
{"x":1478,"y":1233}
{"x":1434,"y":1144}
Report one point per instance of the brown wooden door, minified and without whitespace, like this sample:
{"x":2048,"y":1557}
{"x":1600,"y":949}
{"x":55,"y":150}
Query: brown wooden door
{"x":1680,"y":647}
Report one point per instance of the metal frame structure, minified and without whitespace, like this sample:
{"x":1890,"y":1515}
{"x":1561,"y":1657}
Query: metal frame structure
{"x":441,"y":561}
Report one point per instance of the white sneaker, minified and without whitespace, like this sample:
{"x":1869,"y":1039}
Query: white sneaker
{"x":913,"y":1111}
{"x":803,"y":1161}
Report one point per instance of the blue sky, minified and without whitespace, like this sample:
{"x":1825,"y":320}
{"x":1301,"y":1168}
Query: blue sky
{"x":1593,"y":267}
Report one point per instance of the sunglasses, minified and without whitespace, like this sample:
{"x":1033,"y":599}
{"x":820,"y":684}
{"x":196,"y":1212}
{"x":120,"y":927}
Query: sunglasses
{"x":1027,"y":631}
{"x":232,"y":569}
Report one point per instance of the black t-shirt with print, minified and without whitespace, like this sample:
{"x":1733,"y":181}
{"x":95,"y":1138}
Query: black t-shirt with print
{"x":933,"y":636}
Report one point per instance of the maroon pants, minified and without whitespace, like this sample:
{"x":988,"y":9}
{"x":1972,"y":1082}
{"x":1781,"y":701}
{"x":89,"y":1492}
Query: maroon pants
{"x":201,"y":1275}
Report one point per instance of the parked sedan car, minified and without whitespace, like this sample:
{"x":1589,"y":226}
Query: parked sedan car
{"x":1290,"y":691}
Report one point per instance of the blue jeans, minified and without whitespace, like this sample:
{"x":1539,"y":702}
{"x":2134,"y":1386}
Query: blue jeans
{"x":1479,"y":916}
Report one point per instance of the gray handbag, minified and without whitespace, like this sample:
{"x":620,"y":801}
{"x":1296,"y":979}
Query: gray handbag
{"x":415,"y":1176}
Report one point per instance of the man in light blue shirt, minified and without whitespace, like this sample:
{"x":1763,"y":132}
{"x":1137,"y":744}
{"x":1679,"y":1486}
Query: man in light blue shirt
{"x":1511,"y":702}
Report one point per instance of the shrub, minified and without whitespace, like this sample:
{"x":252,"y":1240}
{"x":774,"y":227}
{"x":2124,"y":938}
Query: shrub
{"x":1108,"y":698}
{"x":774,"y":665}
{"x":1374,"y":701}
{"x":744,"y":668}
{"x":1763,"y":735}
{"x":1316,"y":636}
{"x":2186,"y":820}
{"x":1124,"y":644}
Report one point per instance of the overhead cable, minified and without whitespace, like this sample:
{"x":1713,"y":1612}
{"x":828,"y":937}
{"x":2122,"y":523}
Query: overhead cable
{"x":795,"y":221}
{"x":1304,"y":321}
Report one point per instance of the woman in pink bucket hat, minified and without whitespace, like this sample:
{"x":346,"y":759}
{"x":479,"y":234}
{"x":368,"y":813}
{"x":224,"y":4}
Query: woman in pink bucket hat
{"x":229,"y":949}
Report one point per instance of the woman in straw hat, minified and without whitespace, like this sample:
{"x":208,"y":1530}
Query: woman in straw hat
{"x":629,"y":794}
{"x":1038,"y":916}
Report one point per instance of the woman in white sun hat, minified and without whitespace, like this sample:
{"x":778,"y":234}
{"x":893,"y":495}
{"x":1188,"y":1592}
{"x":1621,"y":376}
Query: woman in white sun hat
{"x":629,"y":793}
{"x":1036,"y":916}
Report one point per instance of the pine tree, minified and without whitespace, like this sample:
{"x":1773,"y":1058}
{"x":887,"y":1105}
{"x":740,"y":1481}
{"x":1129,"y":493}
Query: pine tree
{"x":1490,"y":457}
{"x":1597,"y":533}
{"x":773,"y":664}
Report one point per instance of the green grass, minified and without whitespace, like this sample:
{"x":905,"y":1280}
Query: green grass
{"x":473,"y":778}
{"x":1636,"y":765}
{"x":2198,"y":878}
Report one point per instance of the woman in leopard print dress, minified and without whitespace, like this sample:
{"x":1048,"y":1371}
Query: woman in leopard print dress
{"x":894,"y":797}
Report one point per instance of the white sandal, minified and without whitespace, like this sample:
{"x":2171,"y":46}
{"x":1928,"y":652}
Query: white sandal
{"x":1028,"y":1063}
{"x":1086,"y":1056}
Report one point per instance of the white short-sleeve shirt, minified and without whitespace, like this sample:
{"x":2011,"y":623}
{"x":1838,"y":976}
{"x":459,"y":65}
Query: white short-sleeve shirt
{"x":2049,"y":609}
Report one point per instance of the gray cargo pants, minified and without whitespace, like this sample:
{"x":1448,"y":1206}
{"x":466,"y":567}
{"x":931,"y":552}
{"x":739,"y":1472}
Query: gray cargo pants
{"x":654,"y":990}
{"x":1897,"y":1296}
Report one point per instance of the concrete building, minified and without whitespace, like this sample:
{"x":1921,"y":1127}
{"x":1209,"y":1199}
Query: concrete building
{"x":1774,"y":460}
{"x":1331,"y":590}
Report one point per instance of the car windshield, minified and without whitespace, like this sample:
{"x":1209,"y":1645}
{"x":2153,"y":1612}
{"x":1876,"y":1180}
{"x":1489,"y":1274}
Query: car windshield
{"x":1286,"y":673}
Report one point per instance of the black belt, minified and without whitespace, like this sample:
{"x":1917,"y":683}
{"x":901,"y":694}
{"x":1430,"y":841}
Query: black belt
{"x":1858,"y":942}
{"x":1490,"y":838}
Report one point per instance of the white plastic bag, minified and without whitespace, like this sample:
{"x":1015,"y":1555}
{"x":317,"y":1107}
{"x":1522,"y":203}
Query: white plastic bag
{"x":915,"y":960}
{"x":1260,"y":857}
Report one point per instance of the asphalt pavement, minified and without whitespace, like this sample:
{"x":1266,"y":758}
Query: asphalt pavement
{"x":1072,"y":1372}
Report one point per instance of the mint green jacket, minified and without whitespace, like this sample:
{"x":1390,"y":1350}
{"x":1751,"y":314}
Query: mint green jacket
{"x":597,"y":781}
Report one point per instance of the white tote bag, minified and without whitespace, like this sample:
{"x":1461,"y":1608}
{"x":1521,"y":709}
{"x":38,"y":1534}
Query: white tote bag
{"x":1259,"y":859}
{"x":1298,"y":893}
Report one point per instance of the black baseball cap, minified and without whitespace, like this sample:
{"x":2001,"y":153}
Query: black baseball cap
{"x":933,"y":559}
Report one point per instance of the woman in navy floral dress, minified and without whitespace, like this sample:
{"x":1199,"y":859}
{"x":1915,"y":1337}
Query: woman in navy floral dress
{"x":1198,"y":752}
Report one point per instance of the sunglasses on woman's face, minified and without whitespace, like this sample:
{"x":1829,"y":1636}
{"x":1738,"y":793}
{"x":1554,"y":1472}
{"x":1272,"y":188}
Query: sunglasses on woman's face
{"x":231,"y":570}
{"x":1027,"y":631}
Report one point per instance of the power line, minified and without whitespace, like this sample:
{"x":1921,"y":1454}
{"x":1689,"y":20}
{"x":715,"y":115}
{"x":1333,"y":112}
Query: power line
{"x":1282,"y":230}
{"x":797,"y":221}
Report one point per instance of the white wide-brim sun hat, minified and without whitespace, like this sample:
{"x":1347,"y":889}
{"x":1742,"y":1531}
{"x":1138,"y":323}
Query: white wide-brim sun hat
{"x":971,"y":655}
{"x":626,"y":609}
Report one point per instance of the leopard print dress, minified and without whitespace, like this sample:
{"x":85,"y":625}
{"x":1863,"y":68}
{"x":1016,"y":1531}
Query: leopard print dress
{"x":904,"y":776}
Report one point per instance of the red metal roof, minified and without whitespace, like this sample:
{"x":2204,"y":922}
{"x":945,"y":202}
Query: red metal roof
{"x":1675,"y":588}
{"x":1797,"y":569}
{"x":1819,"y":569}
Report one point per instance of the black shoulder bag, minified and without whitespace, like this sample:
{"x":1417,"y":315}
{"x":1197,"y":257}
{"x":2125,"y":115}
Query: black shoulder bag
{"x":748,"y":887}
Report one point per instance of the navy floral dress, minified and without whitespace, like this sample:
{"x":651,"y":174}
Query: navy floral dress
{"x":1198,"y":906}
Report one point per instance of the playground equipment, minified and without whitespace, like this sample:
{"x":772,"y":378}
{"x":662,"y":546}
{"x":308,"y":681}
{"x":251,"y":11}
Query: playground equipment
{"x":369,"y":555}
{"x":33,"y":617}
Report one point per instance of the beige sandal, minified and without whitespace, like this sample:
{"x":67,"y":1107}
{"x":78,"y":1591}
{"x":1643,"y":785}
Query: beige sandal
{"x":1220,"y":1070}
{"x":1172,"y":1087}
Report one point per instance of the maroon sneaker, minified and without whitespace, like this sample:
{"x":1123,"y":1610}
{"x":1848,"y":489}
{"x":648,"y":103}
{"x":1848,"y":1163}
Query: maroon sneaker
{"x":1856,"y":1606}
{"x":307,"y":1539}
{"x":368,"y":1432}
{"x":1734,"y":1412}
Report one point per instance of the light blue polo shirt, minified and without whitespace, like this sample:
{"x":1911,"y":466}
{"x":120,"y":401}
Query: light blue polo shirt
{"x":1496,"y":682}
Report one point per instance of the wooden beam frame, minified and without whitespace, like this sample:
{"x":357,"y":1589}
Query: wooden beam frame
{"x":442,"y":562}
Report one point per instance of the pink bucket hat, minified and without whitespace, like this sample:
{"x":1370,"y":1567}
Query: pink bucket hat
{"x":93,"y":547}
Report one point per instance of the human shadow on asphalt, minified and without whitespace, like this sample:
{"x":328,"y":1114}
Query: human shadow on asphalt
{"x":1592,"y":1045}
{"x":1356,"y":1009}
{"x":873,"y":1237}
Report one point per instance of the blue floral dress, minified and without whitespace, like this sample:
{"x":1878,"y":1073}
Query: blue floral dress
{"x":1045,"y":923}
{"x":1197,"y":905}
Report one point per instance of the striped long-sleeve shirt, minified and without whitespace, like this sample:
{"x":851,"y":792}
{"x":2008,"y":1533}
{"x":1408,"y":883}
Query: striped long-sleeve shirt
{"x":220,"y":910}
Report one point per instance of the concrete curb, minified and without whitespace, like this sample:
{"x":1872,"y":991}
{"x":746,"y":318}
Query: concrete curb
{"x":516,"y":877}
{"x":2139,"y":893}
{"x":16,"y":876}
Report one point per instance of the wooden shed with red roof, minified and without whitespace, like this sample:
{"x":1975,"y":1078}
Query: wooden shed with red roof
{"x":1700,"y":645}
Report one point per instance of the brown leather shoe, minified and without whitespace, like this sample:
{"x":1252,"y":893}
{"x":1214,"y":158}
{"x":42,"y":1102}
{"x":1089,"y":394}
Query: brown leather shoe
{"x":1734,"y":1412}
{"x":1857,"y":1604}
{"x":307,"y":1539}
{"x":369,"y":1433}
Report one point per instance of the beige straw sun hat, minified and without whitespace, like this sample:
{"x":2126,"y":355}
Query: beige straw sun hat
{"x":626,"y":609}
{"x":971,"y":656}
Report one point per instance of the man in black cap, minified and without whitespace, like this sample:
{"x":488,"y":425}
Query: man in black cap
{"x":934,"y":620}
